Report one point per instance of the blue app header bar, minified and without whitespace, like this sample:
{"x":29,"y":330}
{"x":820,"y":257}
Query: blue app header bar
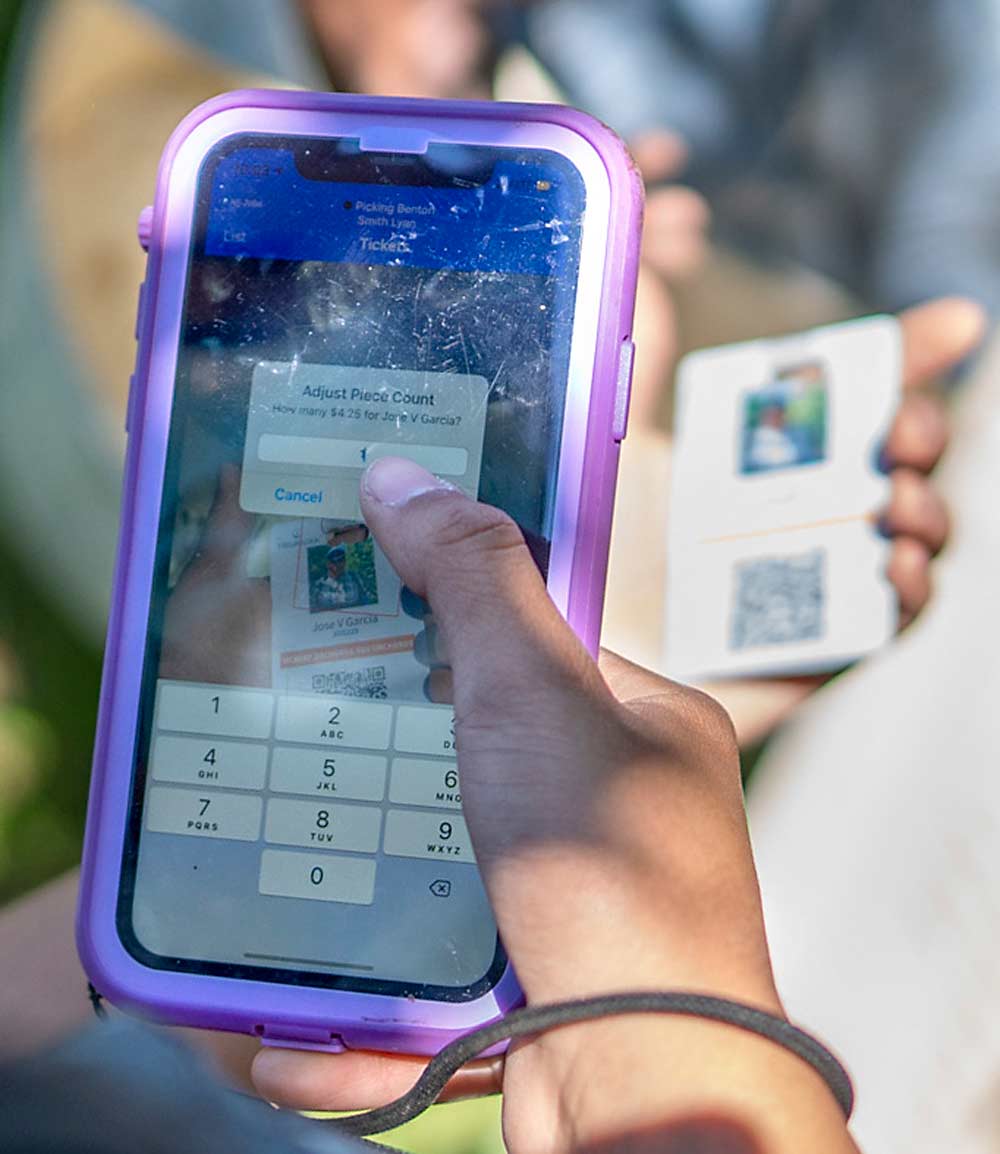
{"x":525,"y":219}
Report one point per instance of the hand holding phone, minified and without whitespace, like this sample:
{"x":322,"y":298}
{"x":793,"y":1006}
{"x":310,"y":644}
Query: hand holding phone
{"x":276,"y":842}
{"x":566,"y":772}
{"x":591,"y":794}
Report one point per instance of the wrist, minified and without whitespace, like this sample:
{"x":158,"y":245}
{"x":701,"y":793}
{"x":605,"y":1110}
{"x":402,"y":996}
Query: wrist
{"x":652,"y":889}
{"x":659,"y":1076}
{"x":585,"y":921}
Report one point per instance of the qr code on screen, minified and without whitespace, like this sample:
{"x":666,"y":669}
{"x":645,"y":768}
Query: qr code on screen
{"x":353,"y":683}
{"x":778,"y":600}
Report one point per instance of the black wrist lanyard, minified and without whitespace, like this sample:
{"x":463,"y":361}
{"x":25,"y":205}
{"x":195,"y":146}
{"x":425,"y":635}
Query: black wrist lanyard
{"x":538,"y":1019}
{"x":534,"y":1020}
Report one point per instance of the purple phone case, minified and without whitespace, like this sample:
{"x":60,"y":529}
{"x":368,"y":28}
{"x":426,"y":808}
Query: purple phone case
{"x":311,"y":1017}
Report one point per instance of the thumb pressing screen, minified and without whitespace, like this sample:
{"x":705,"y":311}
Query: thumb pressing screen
{"x":775,"y":562}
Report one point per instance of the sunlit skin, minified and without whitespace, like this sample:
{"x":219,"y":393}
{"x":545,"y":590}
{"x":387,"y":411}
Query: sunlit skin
{"x":935,"y":337}
{"x":607,"y":815}
{"x":45,"y":970}
{"x":700,"y":1134}
{"x":644,"y":880}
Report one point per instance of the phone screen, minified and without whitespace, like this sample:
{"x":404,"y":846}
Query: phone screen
{"x":296,"y":807}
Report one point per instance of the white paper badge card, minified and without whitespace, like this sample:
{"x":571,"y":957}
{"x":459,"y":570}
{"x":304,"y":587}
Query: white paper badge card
{"x":775,"y":564}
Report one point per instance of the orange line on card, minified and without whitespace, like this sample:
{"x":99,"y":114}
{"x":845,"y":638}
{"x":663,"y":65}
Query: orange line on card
{"x":788,"y":528}
{"x":348,"y":651}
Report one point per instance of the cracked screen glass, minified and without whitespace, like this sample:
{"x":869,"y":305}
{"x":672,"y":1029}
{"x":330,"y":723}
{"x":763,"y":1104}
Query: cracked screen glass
{"x":296,"y":807}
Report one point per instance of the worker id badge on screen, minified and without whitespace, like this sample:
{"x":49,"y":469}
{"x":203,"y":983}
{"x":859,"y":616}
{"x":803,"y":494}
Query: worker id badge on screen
{"x":775,"y":561}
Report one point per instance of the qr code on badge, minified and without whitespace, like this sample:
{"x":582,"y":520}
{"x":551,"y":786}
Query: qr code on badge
{"x":778,"y":600}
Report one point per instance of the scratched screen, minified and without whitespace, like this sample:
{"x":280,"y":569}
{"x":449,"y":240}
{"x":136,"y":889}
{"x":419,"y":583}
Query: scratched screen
{"x":296,"y":809}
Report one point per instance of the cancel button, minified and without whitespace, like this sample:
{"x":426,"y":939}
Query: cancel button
{"x":299,"y":496}
{"x":291,"y":494}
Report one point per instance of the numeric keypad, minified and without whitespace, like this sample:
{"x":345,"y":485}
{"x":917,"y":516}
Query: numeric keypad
{"x":311,"y":773}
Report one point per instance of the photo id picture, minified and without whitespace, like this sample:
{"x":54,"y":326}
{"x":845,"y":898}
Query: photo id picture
{"x":784,"y":423}
{"x":341,"y":571}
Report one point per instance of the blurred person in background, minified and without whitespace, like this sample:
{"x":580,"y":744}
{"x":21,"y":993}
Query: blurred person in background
{"x":86,"y":125}
{"x":82,"y":144}
{"x":846,"y":136}
{"x":859,"y":140}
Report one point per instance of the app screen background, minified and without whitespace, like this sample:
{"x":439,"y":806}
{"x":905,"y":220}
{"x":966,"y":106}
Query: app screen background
{"x":504,"y":313}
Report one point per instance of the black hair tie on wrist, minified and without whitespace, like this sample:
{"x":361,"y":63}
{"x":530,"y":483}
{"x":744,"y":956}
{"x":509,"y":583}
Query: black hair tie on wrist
{"x":539,"y":1019}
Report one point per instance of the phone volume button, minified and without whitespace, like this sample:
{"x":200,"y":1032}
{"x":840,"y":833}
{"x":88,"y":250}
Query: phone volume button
{"x":140,"y":308}
{"x":144,"y":227}
{"x":311,"y":1036}
{"x":623,"y":389}
{"x":130,"y":403}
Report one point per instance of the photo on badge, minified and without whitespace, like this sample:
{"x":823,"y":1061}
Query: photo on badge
{"x":341,"y":571}
{"x":784,"y":423}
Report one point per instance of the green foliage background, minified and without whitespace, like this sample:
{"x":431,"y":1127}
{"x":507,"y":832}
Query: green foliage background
{"x":49,"y":680}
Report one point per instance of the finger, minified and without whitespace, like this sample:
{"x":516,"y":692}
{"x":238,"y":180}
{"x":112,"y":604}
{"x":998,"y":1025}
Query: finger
{"x":439,"y":686}
{"x":231,"y":1054}
{"x":916,"y":510}
{"x":909,"y":570}
{"x":412,"y":605}
{"x":658,"y":155}
{"x":677,"y":208}
{"x":675,"y":231}
{"x":676,"y":256}
{"x":471,"y":563}
{"x":228,"y":526}
{"x":937,"y":336}
{"x":359,"y":1080}
{"x":919,"y":435}
{"x":428,"y":645}
{"x":656,"y":352}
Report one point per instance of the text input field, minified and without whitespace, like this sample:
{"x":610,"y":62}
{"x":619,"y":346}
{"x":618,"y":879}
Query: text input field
{"x":333,"y":452}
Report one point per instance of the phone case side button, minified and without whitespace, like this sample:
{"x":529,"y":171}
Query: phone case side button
{"x":306,"y":1037}
{"x":623,"y":390}
{"x":140,"y":308}
{"x":144,"y":227}
{"x":130,"y":403}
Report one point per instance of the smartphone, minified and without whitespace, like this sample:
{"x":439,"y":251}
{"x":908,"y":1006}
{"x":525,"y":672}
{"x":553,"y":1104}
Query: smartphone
{"x":275,"y":842}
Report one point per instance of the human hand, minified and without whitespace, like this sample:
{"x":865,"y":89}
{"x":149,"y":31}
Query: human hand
{"x":607,"y":816}
{"x":676,"y":218}
{"x":936,"y":337}
{"x":217,"y":622}
{"x":429,"y":48}
{"x":674,"y":246}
